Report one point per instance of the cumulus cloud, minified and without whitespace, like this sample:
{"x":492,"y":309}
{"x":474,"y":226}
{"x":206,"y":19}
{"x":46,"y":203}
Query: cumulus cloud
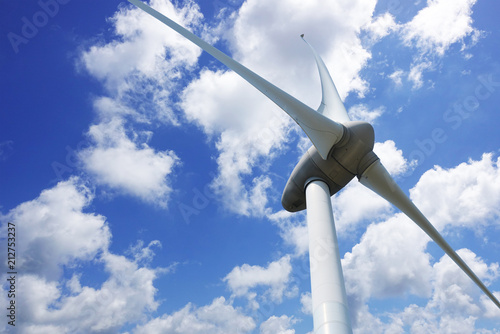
{"x":381,"y":26}
{"x":143,"y":58}
{"x":220,"y":317}
{"x":433,"y":30}
{"x":306,"y":302}
{"x":244,"y":107}
{"x":241,"y":121}
{"x":119,"y":163}
{"x":355,"y":203}
{"x":336,"y":23}
{"x":235,"y":167}
{"x":54,"y":230}
{"x":242,"y":280}
{"x":491,"y":311}
{"x":249,"y":134}
{"x":392,"y":158}
{"x":396,"y":77}
{"x":144,"y":47}
{"x":57,"y":236}
{"x":278,"y":325}
{"x":398,"y":248}
{"x":454,"y":292}
{"x":467,"y":195}
{"x":453,"y":295}
{"x":389,"y":260}
{"x":108,"y":108}
{"x":361,"y":112}
{"x":416,"y":72}
{"x":123,"y":298}
{"x":440,"y":24}
{"x":293,"y":230}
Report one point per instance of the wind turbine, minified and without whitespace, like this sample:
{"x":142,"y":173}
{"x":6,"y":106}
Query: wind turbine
{"x":342,"y":149}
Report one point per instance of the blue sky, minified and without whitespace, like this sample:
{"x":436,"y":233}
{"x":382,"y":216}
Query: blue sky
{"x":145,"y":179}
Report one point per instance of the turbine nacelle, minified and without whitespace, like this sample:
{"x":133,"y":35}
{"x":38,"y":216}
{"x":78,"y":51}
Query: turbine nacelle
{"x":350,"y":157}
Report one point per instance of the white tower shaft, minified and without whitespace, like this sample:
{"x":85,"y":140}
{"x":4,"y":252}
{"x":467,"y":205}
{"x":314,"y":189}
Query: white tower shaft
{"x":330,"y":311}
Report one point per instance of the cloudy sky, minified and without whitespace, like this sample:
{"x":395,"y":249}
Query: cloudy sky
{"x":144,"y":178}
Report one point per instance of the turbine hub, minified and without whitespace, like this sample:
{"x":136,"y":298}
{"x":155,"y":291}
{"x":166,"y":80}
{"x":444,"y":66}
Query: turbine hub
{"x":348,"y":158}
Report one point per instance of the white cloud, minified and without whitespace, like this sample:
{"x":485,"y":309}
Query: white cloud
{"x":297,"y":235}
{"x":454,"y":291}
{"x":55,"y":231}
{"x":241,"y":120}
{"x":108,"y":108}
{"x":245,"y":198}
{"x":388,"y":261}
{"x":293,"y":230}
{"x":439,"y":25}
{"x":392,"y":158}
{"x":366,"y":323}
{"x":306,"y":302}
{"x":276,"y":276}
{"x":250,"y":134}
{"x":119,"y":163}
{"x":433,"y":30}
{"x":454,"y":295}
{"x":355,"y":203}
{"x":123,"y":298}
{"x":416,"y":73}
{"x":145,"y":59}
{"x":144,"y":47}
{"x":396,"y":76}
{"x":361,"y":112}
{"x":491,"y":310}
{"x":466,"y":195}
{"x":381,"y":26}
{"x":221,"y":101}
{"x":336,"y":24}
{"x":56,"y":236}
{"x":144,"y":254}
{"x":278,"y":325}
{"x":391,"y":258}
{"x":220,"y":317}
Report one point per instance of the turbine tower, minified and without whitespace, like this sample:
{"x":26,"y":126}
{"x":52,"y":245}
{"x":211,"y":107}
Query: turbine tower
{"x":342,"y":149}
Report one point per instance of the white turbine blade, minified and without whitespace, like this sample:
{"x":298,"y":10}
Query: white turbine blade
{"x":331,"y":104}
{"x":322,"y":131}
{"x":378,"y":179}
